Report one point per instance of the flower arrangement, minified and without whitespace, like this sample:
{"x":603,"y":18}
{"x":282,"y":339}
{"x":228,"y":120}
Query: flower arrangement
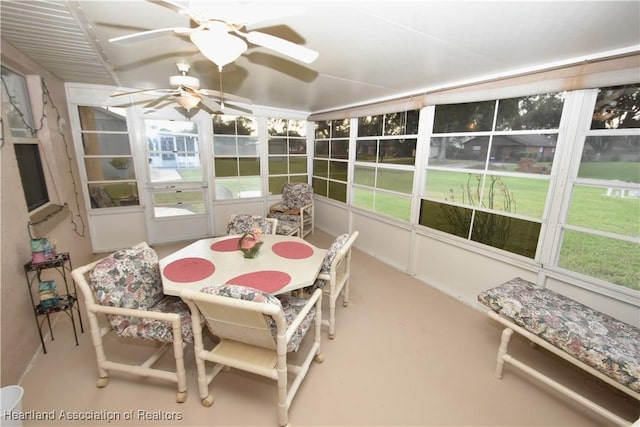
{"x":250,"y":243}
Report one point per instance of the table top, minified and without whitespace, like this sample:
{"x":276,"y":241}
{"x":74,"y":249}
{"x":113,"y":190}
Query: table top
{"x":284,"y":264}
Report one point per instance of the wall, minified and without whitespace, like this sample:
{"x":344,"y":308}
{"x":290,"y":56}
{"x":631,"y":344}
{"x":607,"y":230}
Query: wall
{"x":19,"y":334}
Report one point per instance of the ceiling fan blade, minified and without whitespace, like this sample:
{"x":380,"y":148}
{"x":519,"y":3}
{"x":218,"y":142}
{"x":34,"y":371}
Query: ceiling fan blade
{"x":191,"y":91}
{"x":144,"y":35}
{"x":157,"y":101}
{"x":229,"y":96}
{"x":182,"y":10}
{"x":188,"y":114}
{"x":283,"y":46}
{"x":212,"y":105}
{"x":160,"y":106}
{"x":115,"y":95}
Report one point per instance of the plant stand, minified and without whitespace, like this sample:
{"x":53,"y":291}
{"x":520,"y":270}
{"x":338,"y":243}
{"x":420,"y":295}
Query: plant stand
{"x":66,"y":303}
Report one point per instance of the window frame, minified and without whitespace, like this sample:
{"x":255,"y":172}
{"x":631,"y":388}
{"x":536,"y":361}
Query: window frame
{"x":238,"y":178}
{"x":131,"y":182}
{"x":329,"y":181}
{"x":579,"y":130}
{"x":287,"y":139}
{"x":379,"y":191}
{"x":32,"y":94}
{"x":533,"y":253}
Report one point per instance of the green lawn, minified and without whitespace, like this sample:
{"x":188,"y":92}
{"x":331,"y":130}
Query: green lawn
{"x":529,"y":194}
{"x":614,"y":261}
{"x":591,"y":207}
{"x":621,"y":171}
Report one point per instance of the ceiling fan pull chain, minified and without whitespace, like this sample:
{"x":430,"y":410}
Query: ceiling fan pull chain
{"x":221,"y":91}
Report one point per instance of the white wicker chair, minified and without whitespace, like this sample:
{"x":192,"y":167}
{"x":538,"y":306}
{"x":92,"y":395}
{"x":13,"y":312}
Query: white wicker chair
{"x":244,"y":223}
{"x":126,"y":287}
{"x":335,"y":275}
{"x":255,"y":331}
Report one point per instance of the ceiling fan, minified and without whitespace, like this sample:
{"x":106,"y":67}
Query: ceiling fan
{"x":220,"y":38}
{"x":185,"y":90}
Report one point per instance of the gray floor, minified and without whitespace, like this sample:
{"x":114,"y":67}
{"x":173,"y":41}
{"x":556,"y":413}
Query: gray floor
{"x":404,"y":355}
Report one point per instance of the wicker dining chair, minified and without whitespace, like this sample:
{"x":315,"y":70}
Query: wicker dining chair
{"x":245,"y":223}
{"x":256,"y":331}
{"x":126,"y":288}
{"x":335,"y":275}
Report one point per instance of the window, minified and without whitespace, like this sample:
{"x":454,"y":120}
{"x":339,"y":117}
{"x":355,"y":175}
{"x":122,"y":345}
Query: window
{"x":236,"y":156}
{"x":601,"y":236}
{"x":385,"y":163}
{"x":488,"y":171}
{"x":287,"y":152}
{"x":331,"y":159}
{"x":26,"y":145}
{"x":31,"y":175}
{"x":108,"y":161}
{"x":173,"y":151}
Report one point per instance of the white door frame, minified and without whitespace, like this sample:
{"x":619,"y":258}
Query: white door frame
{"x":172,"y":228}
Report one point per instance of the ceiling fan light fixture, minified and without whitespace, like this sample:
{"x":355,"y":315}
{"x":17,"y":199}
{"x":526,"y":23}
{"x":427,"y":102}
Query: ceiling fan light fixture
{"x":219,"y":47}
{"x":183,"y":80}
{"x":187,"y":101}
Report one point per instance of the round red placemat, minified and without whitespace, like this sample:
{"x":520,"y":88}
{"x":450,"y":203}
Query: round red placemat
{"x":266,"y":280}
{"x":292,"y":250}
{"x":226,"y":245}
{"x":189,"y":270}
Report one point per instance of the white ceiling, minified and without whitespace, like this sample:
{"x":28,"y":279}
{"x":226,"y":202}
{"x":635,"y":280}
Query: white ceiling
{"x":369,"y":50}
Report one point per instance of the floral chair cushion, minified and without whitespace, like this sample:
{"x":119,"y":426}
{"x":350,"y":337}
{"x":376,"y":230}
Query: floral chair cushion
{"x":287,"y":228}
{"x":296,"y":195}
{"x":289,"y":305}
{"x":332,"y":252}
{"x":130,"y":278}
{"x":602,"y":342}
{"x":134,"y":327}
{"x":244,"y":223}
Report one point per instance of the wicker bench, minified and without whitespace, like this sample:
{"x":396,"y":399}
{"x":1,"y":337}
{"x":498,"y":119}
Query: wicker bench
{"x":599,"y":344}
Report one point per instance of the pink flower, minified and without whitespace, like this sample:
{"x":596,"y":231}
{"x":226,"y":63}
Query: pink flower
{"x":248,"y":242}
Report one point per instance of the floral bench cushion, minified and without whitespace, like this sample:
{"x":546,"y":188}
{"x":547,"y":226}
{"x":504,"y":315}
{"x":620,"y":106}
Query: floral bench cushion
{"x":290,"y":307}
{"x":130,"y":278}
{"x":600,"y":341}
